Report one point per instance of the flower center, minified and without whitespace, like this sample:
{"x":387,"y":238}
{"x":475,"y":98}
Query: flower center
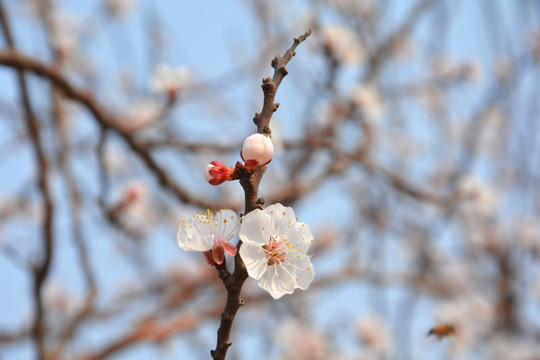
{"x":275,"y":253}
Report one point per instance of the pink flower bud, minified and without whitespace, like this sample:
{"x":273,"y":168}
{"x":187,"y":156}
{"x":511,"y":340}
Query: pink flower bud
{"x":217,"y":173}
{"x":257,"y":150}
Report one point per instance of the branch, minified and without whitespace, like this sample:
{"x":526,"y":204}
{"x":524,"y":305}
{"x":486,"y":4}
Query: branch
{"x":250,"y":183}
{"x":105,"y":119}
{"x":270,"y":86}
{"x":41,"y":270}
{"x":152,"y":330}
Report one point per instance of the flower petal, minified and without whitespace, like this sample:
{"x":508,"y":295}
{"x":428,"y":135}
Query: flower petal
{"x":277,"y":281}
{"x":256,"y":227}
{"x":284,"y":218}
{"x":189,"y":239}
{"x":254,"y":258}
{"x":259,"y":148}
{"x":227,"y":224}
{"x":300,"y":237}
{"x":302,"y":270}
{"x":229,"y":248}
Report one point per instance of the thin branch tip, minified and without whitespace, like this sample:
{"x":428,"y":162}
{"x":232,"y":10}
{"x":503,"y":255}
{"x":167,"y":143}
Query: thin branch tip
{"x":303,"y":37}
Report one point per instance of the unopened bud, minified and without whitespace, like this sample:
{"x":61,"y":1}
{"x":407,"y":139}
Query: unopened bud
{"x":217,"y":173}
{"x":257,"y":150}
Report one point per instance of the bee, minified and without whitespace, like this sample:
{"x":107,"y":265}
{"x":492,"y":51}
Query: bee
{"x":442,"y":331}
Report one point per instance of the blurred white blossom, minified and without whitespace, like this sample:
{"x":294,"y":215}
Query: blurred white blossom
{"x":477,"y":196}
{"x":375,"y":335}
{"x":141,"y":114}
{"x":367,"y":98}
{"x":169,"y":81}
{"x":302,"y":342}
{"x":368,"y":9}
{"x":343,"y":43}
{"x":134,"y":208}
{"x":64,"y":33}
{"x":59,"y":301}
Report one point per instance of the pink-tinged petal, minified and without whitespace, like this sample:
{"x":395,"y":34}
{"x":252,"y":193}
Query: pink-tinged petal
{"x":209,"y":258}
{"x":277,"y":282}
{"x":217,"y":173}
{"x":207,"y":176}
{"x":254,"y":257}
{"x":256,"y":227}
{"x":259,"y":148}
{"x":229,"y":248}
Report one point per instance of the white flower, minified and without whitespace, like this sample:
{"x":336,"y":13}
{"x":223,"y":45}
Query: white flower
{"x":169,"y":81}
{"x":209,"y":233}
{"x":257,"y":150}
{"x":274,"y":250}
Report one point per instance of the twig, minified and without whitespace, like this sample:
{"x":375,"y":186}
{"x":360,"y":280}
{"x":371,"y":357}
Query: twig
{"x":250,"y":183}
{"x":270,"y":86}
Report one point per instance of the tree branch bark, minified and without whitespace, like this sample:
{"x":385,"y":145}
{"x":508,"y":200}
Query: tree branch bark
{"x":41,"y":270}
{"x":250,"y":183}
